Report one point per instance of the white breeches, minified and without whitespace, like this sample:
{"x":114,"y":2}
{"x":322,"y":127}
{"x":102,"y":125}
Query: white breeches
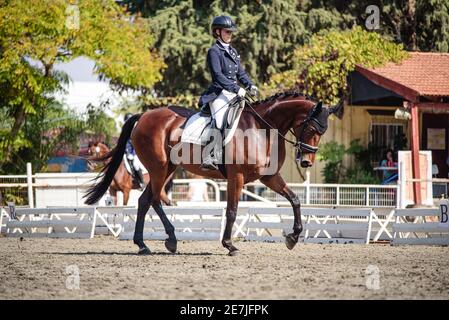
{"x":219,"y":106}
{"x":137,"y":164}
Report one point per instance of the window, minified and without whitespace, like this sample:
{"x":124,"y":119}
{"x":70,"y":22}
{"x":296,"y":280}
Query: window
{"x":384,"y":136}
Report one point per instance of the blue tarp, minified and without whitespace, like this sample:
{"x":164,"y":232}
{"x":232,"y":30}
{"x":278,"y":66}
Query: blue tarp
{"x":69,"y":164}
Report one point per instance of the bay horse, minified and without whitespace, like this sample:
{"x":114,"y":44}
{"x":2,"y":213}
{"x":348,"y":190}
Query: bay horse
{"x":154,"y":139}
{"x":123,"y":180}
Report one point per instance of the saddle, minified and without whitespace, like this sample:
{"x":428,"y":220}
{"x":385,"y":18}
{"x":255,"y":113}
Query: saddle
{"x":195,"y":127}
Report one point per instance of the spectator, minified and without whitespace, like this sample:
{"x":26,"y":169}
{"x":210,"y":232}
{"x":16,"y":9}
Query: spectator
{"x":197,"y":190}
{"x":388,"y":161}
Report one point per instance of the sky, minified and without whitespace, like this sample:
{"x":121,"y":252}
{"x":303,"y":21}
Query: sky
{"x":84,"y":86}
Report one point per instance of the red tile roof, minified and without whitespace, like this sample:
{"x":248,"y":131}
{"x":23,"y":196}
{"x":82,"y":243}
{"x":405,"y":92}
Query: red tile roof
{"x":421,"y":74}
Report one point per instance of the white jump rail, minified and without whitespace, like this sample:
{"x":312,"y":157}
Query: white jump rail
{"x":3,"y":213}
{"x":269,"y":224}
{"x":421,"y":230}
{"x":194,"y":223}
{"x":56,"y":222}
{"x":110,"y":219}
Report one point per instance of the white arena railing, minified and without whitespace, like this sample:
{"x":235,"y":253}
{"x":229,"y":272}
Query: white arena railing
{"x":45,"y":189}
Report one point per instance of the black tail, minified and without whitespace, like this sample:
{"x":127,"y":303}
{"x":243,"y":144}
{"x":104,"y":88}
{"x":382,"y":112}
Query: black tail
{"x":95,"y":192}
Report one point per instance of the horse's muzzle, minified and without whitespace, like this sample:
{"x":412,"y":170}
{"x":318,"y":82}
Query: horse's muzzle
{"x":306,"y":163}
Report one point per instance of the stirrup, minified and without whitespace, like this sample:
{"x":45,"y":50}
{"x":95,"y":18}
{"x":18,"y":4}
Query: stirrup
{"x":209,"y":164}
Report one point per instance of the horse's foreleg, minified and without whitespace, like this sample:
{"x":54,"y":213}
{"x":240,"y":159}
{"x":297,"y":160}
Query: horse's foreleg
{"x":143,"y":206}
{"x":277,"y":184}
{"x":113,"y":193}
{"x":235,"y":185}
{"x":126,"y":196}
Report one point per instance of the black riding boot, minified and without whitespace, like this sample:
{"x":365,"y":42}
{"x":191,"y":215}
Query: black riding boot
{"x":211,"y":160}
{"x":140,"y":179}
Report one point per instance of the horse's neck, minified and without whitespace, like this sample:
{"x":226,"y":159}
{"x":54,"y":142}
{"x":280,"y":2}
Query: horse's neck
{"x":281,"y":114}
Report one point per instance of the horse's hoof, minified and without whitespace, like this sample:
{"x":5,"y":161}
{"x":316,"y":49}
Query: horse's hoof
{"x":144,"y":251}
{"x":290,"y":242}
{"x":171,"y":245}
{"x":233,"y":253}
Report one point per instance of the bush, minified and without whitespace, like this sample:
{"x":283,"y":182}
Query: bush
{"x":361,"y":172}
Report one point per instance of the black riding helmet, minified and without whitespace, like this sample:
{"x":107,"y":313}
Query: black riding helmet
{"x":222,"y":22}
{"x":127,"y":116}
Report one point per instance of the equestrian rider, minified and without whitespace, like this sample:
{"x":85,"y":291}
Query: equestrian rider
{"x":133,"y":160}
{"x":223,"y":62}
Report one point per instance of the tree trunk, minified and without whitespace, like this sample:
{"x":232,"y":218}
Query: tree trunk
{"x":19,"y":119}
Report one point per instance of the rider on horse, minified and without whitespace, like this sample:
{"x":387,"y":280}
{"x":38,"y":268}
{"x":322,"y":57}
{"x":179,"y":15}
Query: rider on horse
{"x":223,"y":62}
{"x":133,"y":160}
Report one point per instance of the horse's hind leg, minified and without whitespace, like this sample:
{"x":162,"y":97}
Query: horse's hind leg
{"x":143,"y":206}
{"x":157,"y":183}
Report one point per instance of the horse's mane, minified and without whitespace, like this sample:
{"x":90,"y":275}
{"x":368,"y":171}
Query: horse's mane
{"x":284,"y":95}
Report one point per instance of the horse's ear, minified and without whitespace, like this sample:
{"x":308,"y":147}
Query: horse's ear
{"x":337,"y":109}
{"x":317,"y":109}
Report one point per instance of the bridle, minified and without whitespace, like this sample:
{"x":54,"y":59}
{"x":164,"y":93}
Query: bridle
{"x":299,"y":145}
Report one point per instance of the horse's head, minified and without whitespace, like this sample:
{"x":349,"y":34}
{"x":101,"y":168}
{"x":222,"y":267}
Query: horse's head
{"x":96,"y":149}
{"x":308,"y":131}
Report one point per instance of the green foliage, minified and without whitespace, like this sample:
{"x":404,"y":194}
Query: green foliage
{"x":36,"y":34}
{"x":332,"y":153}
{"x":321,"y":67}
{"x":56,"y":128}
{"x":268,"y":32}
{"x":433,"y":19}
{"x":360,"y":172}
{"x":98,"y":122}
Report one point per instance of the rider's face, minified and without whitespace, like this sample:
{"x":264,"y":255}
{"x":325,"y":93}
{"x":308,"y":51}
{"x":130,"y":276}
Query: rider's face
{"x":226,"y":35}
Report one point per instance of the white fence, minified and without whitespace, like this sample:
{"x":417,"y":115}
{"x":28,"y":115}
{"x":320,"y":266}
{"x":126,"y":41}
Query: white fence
{"x":51,"y":222}
{"x":334,"y":194}
{"x":67,"y":189}
{"x":419,"y":226}
{"x":190,"y":223}
{"x":258,"y":223}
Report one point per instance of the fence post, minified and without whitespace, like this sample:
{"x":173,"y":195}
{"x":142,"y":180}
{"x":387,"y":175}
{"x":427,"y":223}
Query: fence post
{"x":30,"y":185}
{"x":367,"y":196}
{"x":307,"y":186}
{"x":338,"y":195}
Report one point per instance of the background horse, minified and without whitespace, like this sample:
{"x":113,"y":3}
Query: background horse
{"x":157,"y":133}
{"x":123,"y":181}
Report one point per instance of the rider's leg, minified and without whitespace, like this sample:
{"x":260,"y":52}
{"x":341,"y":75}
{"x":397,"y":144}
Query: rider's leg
{"x":218,"y":110}
{"x":209,"y":158}
{"x":138,"y":169}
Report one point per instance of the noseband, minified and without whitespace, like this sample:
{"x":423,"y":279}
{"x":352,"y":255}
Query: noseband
{"x":319,"y":124}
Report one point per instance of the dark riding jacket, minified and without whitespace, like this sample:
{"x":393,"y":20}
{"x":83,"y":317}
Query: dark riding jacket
{"x":130,"y":148}
{"x":226,"y":70}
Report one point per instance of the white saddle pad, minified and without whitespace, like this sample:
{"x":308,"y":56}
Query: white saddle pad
{"x":196,"y":129}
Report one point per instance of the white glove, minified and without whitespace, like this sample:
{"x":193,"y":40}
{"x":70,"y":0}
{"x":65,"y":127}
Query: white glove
{"x":241,"y":92}
{"x":254,"y":91}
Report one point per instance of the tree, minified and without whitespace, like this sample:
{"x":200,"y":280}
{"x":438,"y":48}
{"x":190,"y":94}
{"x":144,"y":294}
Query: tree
{"x":321,"y":67}
{"x":270,"y":30}
{"x":268,"y":33}
{"x":36,"y":34}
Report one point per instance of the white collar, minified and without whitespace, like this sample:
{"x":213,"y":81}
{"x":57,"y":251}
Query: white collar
{"x":224,"y":44}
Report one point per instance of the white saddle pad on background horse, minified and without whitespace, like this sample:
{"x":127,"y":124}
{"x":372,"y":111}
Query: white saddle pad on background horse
{"x":128,"y":166}
{"x":197,"y":127}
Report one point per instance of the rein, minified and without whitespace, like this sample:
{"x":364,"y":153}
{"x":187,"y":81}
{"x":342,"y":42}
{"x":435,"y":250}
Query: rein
{"x":298,"y":144}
